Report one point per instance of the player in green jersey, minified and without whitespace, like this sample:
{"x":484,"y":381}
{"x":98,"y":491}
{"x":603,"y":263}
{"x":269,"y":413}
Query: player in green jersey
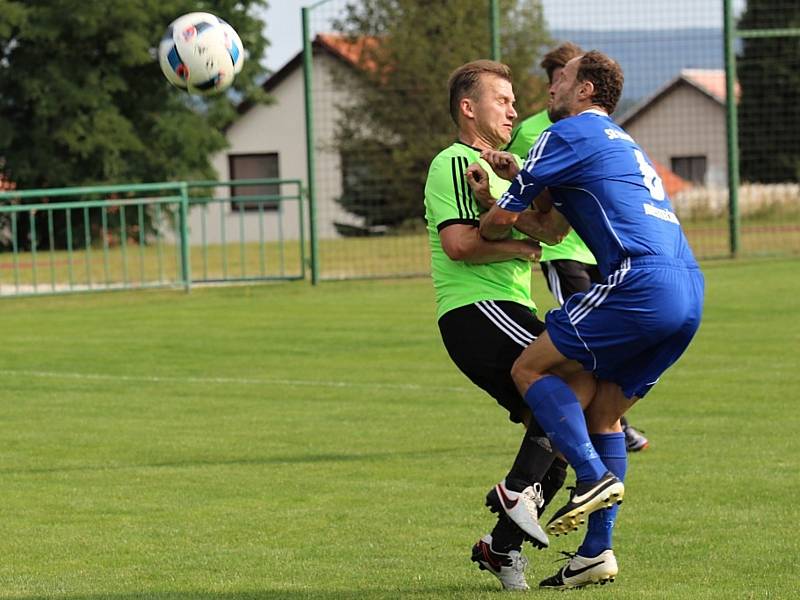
{"x":484,"y":308}
{"x":568,"y":266}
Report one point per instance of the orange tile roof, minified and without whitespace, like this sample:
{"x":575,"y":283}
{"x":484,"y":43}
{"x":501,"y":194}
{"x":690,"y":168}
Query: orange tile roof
{"x":350,"y":49}
{"x":712,"y":81}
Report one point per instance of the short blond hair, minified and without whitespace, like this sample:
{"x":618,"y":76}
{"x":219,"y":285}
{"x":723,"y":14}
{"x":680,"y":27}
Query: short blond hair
{"x":464,"y":82}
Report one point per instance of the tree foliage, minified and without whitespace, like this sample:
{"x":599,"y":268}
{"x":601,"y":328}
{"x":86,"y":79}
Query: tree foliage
{"x":83,"y":100}
{"x":398,"y":117}
{"x":769,"y":75}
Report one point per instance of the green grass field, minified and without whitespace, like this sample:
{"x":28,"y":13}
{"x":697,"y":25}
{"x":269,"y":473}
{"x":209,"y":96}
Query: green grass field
{"x":284,"y":441}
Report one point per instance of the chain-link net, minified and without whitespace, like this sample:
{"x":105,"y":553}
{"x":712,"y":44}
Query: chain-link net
{"x":768,"y":73}
{"x":369,"y":189}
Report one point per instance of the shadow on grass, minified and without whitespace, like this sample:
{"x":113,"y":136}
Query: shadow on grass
{"x":273,"y":460}
{"x":433,"y":592}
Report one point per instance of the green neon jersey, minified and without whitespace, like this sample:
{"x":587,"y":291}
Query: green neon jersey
{"x":448,"y":201}
{"x":523,"y":137}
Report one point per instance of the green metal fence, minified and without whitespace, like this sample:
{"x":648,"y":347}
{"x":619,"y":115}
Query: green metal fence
{"x":149,"y":235}
{"x":677,"y":103}
{"x":763,"y":84}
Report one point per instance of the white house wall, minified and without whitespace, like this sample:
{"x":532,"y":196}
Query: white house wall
{"x":279,"y":128}
{"x":684,"y":122}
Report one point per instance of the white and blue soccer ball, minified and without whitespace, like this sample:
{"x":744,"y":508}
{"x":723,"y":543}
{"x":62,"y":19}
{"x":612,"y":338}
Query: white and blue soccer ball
{"x":200,"y":53}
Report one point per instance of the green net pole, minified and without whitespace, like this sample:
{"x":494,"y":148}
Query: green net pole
{"x":186,"y":267}
{"x":732,"y":129}
{"x":307,"y":83}
{"x":494,"y":28}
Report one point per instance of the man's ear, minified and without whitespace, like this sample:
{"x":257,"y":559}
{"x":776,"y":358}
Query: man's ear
{"x":466,"y":108}
{"x":586,"y":90}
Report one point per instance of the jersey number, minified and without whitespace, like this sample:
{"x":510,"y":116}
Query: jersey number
{"x":649,"y":176}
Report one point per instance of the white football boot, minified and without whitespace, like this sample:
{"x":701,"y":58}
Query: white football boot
{"x":508,"y":568}
{"x":581,"y":571}
{"x":522,"y":508}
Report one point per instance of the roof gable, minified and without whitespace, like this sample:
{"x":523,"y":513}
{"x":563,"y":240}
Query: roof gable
{"x":708,"y":82}
{"x":341,"y":47}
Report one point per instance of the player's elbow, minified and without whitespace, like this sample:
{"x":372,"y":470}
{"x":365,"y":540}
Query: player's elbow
{"x":497,"y":224}
{"x":455,"y":249}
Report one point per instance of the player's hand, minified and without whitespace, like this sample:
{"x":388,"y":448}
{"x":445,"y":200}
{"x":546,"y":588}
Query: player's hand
{"x":502,"y":163}
{"x":478,"y":180}
{"x":543,"y":202}
{"x":530,"y":250}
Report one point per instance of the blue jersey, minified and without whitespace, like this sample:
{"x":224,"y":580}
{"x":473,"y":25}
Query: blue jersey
{"x":605,"y":186}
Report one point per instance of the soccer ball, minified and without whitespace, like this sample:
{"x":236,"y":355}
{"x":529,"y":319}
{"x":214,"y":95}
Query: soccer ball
{"x":200,"y":53}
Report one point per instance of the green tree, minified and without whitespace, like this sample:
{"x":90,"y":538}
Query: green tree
{"x":769,"y":75}
{"x":83,"y":100}
{"x":397,"y":118}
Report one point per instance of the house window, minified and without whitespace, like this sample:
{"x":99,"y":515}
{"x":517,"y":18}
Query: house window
{"x":690,"y":168}
{"x":254,"y":166}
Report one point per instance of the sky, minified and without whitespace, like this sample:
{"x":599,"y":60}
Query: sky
{"x":283,"y":30}
{"x":283,"y":26}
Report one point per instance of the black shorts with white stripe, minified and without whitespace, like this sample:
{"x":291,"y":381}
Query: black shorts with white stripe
{"x":565,"y":277}
{"x":484,"y":339}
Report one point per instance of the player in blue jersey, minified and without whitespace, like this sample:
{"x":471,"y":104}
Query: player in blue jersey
{"x":627,"y":330}
{"x":568,"y":266}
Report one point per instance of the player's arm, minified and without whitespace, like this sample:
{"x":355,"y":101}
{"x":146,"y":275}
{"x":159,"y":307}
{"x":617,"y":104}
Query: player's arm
{"x":548,"y":227}
{"x":497,"y":223}
{"x":555,"y":162}
{"x":465,"y":243}
{"x":457,"y":224}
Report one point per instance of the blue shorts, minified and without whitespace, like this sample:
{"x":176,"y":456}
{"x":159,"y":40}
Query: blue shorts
{"x":631,"y":328}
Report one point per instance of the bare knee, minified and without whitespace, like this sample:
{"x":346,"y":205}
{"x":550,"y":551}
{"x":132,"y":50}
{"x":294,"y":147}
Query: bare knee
{"x":584,"y":385}
{"x":605,"y":410}
{"x":601,"y":422}
{"x":524,"y":375}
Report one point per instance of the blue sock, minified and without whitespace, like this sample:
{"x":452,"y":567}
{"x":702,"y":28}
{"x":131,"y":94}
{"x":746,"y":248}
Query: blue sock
{"x":611,"y":448}
{"x":557,"y":410}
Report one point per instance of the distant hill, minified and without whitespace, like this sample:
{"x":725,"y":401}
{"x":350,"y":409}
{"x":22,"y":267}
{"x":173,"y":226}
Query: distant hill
{"x":650,"y":58}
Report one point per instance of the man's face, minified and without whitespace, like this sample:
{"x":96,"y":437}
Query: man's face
{"x":563,"y":91}
{"x":554,"y":77}
{"x":493,"y":109}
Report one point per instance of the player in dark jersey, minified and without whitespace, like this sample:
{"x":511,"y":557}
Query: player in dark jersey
{"x":484,"y":308}
{"x":628,"y":330}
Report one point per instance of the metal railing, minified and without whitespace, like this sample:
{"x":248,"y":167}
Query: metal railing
{"x":138,"y":236}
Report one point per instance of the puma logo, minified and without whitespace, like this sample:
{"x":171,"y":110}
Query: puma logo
{"x":522,"y":184}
